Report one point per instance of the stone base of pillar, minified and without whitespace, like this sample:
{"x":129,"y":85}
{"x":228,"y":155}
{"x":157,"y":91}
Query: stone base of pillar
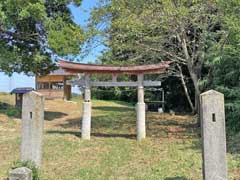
{"x":86,"y":120}
{"x":21,"y":173}
{"x":141,"y":129}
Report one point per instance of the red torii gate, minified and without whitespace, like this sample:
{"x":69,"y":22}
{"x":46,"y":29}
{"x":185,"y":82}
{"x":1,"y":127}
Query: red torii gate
{"x":139,"y":70}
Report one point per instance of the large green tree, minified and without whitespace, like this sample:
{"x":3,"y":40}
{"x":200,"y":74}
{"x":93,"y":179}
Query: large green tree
{"x":224,"y":63}
{"x":140,"y":31}
{"x":31,"y":31}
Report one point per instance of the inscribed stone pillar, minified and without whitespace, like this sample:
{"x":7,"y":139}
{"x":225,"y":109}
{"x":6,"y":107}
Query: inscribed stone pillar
{"x":141,"y":129}
{"x":32,"y":127}
{"x":213,"y":135}
{"x":86,"y":116}
{"x":21,"y":173}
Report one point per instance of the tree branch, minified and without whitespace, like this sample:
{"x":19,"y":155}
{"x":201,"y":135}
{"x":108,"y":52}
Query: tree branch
{"x":180,"y":60}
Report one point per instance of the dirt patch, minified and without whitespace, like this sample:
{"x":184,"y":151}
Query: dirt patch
{"x":3,"y":117}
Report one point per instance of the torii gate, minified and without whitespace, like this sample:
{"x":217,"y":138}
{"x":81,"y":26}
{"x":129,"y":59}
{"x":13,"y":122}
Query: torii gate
{"x":88,"y":69}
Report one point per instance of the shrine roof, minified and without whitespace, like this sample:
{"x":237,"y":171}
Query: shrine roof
{"x":21,"y":90}
{"x":59,"y":72}
{"x":73,"y":67}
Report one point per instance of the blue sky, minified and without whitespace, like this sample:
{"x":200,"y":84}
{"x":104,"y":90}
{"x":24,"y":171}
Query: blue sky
{"x":80,"y":16}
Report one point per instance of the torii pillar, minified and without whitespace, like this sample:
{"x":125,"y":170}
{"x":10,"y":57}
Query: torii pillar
{"x":87,"y":105}
{"x":141,"y":128}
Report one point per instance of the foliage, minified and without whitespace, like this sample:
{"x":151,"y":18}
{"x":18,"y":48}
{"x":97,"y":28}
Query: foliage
{"x":30,"y":165}
{"x":224,"y":64}
{"x":225,"y":78}
{"x":32,"y":31}
{"x":120,"y":94}
{"x":144,"y":32}
{"x":202,"y":37}
{"x":232,"y":117}
{"x":127,"y":94}
{"x":9,"y":110}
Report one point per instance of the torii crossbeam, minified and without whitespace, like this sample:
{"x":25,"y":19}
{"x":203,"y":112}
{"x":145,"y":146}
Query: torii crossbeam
{"x":139,"y":70}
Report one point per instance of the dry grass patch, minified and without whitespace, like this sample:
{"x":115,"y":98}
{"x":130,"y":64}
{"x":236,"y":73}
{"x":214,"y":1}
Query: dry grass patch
{"x":172,"y":150}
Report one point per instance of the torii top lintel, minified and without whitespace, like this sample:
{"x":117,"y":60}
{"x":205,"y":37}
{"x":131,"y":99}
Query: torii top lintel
{"x":109,"y":69}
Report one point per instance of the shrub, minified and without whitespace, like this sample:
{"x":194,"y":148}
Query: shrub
{"x":233,"y":117}
{"x":13,"y":112}
{"x":9,"y":110}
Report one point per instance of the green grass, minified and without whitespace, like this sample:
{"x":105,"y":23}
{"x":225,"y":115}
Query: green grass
{"x":171,"y":151}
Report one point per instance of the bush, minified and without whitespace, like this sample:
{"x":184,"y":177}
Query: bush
{"x":13,"y":112}
{"x":29,"y":164}
{"x":233,"y":117}
{"x":9,"y":110}
{"x":115,"y":93}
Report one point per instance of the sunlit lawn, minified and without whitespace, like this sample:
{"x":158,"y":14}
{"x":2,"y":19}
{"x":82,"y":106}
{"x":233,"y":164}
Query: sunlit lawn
{"x":172,"y":150}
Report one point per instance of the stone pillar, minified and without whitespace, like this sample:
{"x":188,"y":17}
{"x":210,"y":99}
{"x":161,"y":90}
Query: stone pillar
{"x":86,"y":116}
{"x":114,"y":77}
{"x":212,"y":116}
{"x":32,"y":127}
{"x":21,"y":173}
{"x":141,"y":129}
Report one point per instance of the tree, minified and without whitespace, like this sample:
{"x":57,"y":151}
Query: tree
{"x":141,"y":31}
{"x":31,"y":31}
{"x":224,"y":63}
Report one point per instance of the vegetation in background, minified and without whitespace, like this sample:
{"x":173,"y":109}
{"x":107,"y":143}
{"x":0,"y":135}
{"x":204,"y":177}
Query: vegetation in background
{"x":116,"y":93}
{"x":224,"y":64}
{"x":7,"y":107}
{"x":33,"y":31}
{"x":10,"y":111}
{"x":147,"y":32}
{"x":200,"y":37}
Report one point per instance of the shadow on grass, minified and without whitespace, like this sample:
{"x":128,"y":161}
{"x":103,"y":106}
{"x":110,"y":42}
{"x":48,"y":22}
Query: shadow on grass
{"x":122,"y":123}
{"x":111,"y":108}
{"x":105,"y":122}
{"x":168,"y":128}
{"x":72,"y":123}
{"x":50,"y":115}
{"x":75,"y":133}
{"x":113,"y":135}
{"x":176,"y":178}
{"x":119,"y":121}
{"x":10,"y":110}
{"x":102,"y":135}
{"x":15,"y":112}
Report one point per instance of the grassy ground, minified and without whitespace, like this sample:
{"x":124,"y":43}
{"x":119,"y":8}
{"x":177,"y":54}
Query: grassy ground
{"x":172,"y":150}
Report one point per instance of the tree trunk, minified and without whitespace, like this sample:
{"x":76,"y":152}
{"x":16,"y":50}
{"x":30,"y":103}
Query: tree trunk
{"x":194,"y":69}
{"x":194,"y":77}
{"x":186,"y":89}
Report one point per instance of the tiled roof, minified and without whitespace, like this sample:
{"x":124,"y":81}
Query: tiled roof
{"x":92,"y":68}
{"x":21,"y":90}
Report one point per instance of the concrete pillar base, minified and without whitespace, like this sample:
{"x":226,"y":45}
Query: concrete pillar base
{"x":21,"y":173}
{"x":86,"y":120}
{"x":141,"y":128}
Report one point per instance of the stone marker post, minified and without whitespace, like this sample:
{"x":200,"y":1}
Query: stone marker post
{"x":32,"y":127}
{"x":141,"y":131}
{"x":21,"y":173}
{"x":213,"y":135}
{"x":87,"y":105}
